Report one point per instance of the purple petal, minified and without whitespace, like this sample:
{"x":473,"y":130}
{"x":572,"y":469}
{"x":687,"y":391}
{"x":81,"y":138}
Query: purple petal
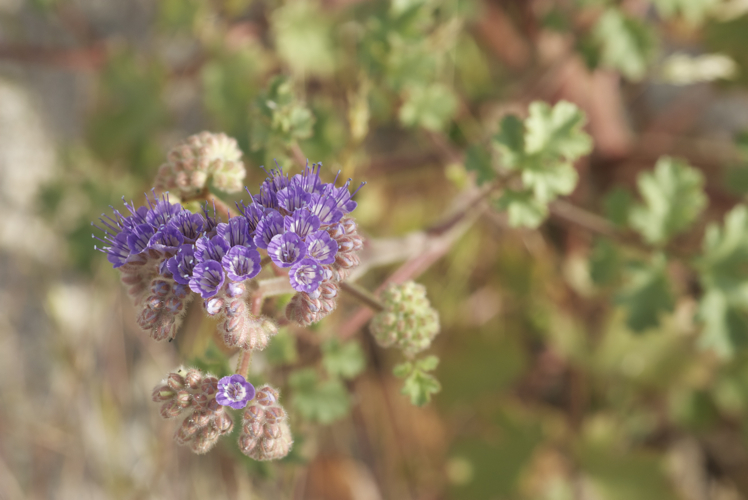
{"x":213,"y":249}
{"x":241,"y":263}
{"x":286,"y":249}
{"x":207,"y":278}
{"x":235,"y":232}
{"x":182,"y":264}
{"x":160,"y":214}
{"x":293,"y":198}
{"x":189,"y":224}
{"x":321,"y":247}
{"x":270,"y":226}
{"x":138,"y":240}
{"x":254,"y":213}
{"x":306,"y":275}
{"x":302,"y":223}
{"x":325,"y":208}
{"x":167,"y":239}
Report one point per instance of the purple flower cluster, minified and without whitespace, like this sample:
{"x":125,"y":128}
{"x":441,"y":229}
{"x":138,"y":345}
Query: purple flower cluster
{"x":290,"y":219}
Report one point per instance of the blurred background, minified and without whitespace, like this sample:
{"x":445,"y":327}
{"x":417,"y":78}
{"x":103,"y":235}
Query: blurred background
{"x":546,"y":393}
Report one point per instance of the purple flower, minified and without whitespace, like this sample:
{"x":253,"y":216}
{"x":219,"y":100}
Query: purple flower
{"x":325,"y":208}
{"x":234,"y":391}
{"x":235,"y":232}
{"x":270,"y":226}
{"x":293,"y":198}
{"x":189,"y":224}
{"x":139,"y":238}
{"x":342,"y":196}
{"x":210,"y":249}
{"x":276,"y":180}
{"x":306,"y":275}
{"x":182,"y":264}
{"x":162,"y":212}
{"x":286,"y":249}
{"x":207,"y":278}
{"x":167,"y":239}
{"x":321,"y":247}
{"x":309,"y":180}
{"x":241,"y":263}
{"x":253,"y":213}
{"x":301,"y":222}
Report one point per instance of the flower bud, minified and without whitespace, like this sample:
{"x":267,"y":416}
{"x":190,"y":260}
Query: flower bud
{"x":254,"y":413}
{"x":213,"y":305}
{"x":175,"y":381}
{"x":193,"y":378}
{"x":408,"y":321}
{"x":162,"y":393}
{"x":266,"y":396}
{"x":224,"y":423}
{"x":184,"y":398}
{"x":171,"y":409}
{"x":186,"y":431}
{"x":160,"y":288}
{"x":205,"y":439}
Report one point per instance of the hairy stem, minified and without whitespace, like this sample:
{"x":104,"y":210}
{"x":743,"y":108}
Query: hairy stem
{"x":362,"y":295}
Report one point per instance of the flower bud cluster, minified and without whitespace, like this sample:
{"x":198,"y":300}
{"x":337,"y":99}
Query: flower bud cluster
{"x":408,"y":321}
{"x":163,"y":308}
{"x":237,"y":326}
{"x":265,"y":432}
{"x":199,"y":157}
{"x":191,"y":394}
{"x":307,"y":308}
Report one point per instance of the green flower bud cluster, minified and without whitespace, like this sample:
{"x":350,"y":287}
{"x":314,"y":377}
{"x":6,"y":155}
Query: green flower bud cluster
{"x":408,"y":321}
{"x":199,"y":157}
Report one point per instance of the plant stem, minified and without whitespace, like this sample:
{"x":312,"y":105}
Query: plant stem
{"x":362,"y":295}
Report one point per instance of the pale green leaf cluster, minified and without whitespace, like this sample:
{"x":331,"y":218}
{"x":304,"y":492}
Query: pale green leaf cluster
{"x":279,"y":118}
{"x":723,"y":271}
{"x":693,"y":11}
{"x":430,"y":107}
{"x":323,"y":401}
{"x":673,"y":198}
{"x":646,"y":294}
{"x":419,"y":385}
{"x":303,"y":38}
{"x":626,"y":43}
{"x":344,"y":360}
{"x":542,"y":150}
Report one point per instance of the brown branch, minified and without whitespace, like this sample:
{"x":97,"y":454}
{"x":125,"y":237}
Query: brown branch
{"x":86,"y":58}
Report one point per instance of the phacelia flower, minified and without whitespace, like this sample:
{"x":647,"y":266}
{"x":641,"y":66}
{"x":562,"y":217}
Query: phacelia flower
{"x":306,"y":275}
{"x":234,"y":391}
{"x":241,"y":263}
{"x":207,"y":278}
{"x":286,"y":249}
{"x":182,"y":264}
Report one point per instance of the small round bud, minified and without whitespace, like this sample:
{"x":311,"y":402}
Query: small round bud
{"x":213,"y":305}
{"x":254,"y":413}
{"x":205,"y":439}
{"x":209,"y":385}
{"x":253,"y":429}
{"x":184,"y":398}
{"x":275,"y":414}
{"x":171,"y":409}
{"x":160,"y":288}
{"x":266,"y":396}
{"x":175,"y":381}
{"x":186,"y":431}
{"x":193,"y":377}
{"x":224,"y":423}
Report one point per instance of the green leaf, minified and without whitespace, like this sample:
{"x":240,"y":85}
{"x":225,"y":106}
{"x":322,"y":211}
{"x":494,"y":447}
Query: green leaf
{"x":556,"y":133}
{"x":478,"y":160}
{"x":510,"y":141}
{"x":278,"y":117}
{"x":343,"y":360}
{"x":617,"y":205}
{"x":605,"y":262}
{"x":693,"y":11}
{"x":523,"y":209}
{"x":282,"y":350}
{"x":430,"y":107}
{"x":723,"y":273}
{"x":673,"y":199}
{"x":318,"y":401}
{"x":418,"y":385}
{"x":646,"y":294}
{"x":626,"y":43}
{"x":303,"y":38}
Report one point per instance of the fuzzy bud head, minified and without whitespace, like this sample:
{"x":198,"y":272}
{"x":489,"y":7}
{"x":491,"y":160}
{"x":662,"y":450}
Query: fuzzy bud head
{"x":171,"y":409}
{"x":205,"y":439}
{"x":408,"y":321}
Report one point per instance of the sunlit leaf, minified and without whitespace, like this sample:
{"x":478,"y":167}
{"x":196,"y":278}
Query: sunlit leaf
{"x":626,"y":43}
{"x":646,"y":294}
